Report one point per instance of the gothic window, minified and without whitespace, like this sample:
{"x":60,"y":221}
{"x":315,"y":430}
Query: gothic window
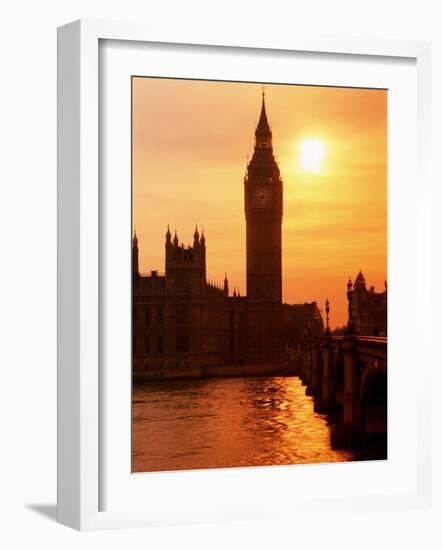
{"x":134,"y":344}
{"x":182,"y":314}
{"x":182,"y":282}
{"x":160,"y":315}
{"x":182,"y":343}
{"x":146,"y":344}
{"x":147,"y":315}
{"x":160,"y":344}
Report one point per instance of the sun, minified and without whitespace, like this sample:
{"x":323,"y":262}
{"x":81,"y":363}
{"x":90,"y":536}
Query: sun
{"x":311,"y":155}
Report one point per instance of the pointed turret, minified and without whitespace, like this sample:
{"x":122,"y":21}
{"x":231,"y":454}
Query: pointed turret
{"x":196,"y":237}
{"x":135,"y":269}
{"x":226,"y":285}
{"x":360,"y":280}
{"x":203,"y":238}
{"x":168,"y":236}
{"x":175,"y":239}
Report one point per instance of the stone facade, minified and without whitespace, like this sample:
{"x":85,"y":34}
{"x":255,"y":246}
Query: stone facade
{"x":180,"y":321}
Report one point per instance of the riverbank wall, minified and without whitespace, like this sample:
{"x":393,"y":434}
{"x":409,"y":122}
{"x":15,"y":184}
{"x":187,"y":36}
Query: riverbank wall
{"x":212,"y":371}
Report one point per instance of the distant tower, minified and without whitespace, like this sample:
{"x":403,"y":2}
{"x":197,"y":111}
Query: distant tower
{"x":226,"y":285}
{"x":186,"y":291}
{"x":135,"y":268}
{"x":186,"y":266}
{"x":263,"y":197}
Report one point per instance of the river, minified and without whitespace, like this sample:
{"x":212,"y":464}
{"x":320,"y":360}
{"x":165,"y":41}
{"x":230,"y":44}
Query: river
{"x":227,"y":422}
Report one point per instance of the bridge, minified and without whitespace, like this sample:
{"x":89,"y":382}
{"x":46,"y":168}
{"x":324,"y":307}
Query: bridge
{"x":346,"y":375}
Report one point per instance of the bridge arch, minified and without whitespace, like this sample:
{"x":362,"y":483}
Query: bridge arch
{"x":373,"y":403}
{"x":339,"y":377}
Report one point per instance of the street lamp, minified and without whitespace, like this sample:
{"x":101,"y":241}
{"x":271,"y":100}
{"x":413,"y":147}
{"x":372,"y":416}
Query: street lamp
{"x":327,"y":311}
{"x":350,"y":326}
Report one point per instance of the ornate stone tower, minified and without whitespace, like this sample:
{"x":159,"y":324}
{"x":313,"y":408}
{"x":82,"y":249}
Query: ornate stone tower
{"x":263,"y":198}
{"x":185,"y":266}
{"x":135,"y":269}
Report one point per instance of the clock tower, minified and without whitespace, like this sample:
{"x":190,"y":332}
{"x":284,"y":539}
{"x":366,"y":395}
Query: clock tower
{"x":263,"y":199}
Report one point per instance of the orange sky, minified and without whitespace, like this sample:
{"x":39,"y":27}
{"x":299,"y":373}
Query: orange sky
{"x":190,"y":142}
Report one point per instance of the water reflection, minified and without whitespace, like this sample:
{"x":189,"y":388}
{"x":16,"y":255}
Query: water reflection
{"x":215,"y":423}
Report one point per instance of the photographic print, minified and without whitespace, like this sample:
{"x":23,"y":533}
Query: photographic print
{"x":259,"y":274}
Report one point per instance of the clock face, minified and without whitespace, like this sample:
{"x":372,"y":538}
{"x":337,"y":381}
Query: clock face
{"x":261,"y":197}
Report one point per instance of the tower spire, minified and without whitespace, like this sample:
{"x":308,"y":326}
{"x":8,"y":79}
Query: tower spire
{"x":263,"y":134}
{"x":263,"y":123}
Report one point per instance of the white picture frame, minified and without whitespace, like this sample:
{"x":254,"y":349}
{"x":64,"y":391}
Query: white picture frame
{"x":79,"y":275}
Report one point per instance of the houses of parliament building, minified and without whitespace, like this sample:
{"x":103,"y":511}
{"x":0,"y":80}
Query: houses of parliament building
{"x":181,"y":322}
{"x":184,"y":325}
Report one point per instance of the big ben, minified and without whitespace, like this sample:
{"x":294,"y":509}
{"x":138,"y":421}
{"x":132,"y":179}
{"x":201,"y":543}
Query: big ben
{"x":263,"y":201}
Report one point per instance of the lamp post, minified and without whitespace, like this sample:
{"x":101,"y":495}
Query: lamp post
{"x":327,"y":311}
{"x":350,"y":326}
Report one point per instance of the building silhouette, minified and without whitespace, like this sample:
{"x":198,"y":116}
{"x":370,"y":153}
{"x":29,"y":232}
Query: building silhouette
{"x":368,"y":308}
{"x":301,"y":319}
{"x":183,"y":323}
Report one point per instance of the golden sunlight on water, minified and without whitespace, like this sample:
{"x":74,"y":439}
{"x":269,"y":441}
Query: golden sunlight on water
{"x":221,"y":423}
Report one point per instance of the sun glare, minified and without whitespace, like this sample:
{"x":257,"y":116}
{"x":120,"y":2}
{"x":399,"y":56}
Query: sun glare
{"x":311,"y":155}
